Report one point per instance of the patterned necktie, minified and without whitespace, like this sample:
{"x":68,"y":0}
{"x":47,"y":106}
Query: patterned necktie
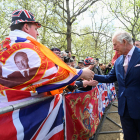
{"x":125,"y":65}
{"x":25,"y":74}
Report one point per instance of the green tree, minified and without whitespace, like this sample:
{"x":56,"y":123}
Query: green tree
{"x":70,"y":15}
{"x":128,"y":13}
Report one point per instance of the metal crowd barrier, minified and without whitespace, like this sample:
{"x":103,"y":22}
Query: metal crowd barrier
{"x":22,"y":104}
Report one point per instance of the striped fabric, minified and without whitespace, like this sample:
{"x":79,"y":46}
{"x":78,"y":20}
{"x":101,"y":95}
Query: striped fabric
{"x":35,"y":122}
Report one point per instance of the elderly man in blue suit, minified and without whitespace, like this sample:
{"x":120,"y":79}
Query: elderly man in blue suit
{"x":126,"y":71}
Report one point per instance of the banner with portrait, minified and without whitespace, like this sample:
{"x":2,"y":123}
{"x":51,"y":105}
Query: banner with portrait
{"x":81,"y":114}
{"x":84,"y":110}
{"x":25,"y":70}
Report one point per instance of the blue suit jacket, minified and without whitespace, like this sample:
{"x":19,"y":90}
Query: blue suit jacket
{"x":129,"y":85}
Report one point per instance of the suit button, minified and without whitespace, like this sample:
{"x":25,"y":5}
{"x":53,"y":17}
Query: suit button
{"x":125,"y":87}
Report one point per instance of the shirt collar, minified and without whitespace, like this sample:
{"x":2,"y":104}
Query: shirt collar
{"x":131,"y":51}
{"x":22,"y":72}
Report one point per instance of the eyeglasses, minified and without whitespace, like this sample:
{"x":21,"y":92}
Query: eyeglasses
{"x":57,"y":53}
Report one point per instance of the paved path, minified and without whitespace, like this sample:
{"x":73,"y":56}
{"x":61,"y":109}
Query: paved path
{"x":110,"y":126}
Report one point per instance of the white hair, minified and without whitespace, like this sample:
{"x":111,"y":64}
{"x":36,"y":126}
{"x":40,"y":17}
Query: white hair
{"x":63,"y":53}
{"x":123,"y":35}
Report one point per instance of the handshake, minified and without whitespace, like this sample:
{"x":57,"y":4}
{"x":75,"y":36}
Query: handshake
{"x":87,"y":74}
{"x":87,"y":77}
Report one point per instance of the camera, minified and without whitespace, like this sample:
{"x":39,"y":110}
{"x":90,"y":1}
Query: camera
{"x":66,"y":59}
{"x":68,"y":54}
{"x":109,"y":65}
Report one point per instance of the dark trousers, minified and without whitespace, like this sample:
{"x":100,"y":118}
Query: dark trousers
{"x":131,"y":127}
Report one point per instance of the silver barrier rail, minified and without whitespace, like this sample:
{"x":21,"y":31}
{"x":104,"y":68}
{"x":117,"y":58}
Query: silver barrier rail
{"x":23,"y":104}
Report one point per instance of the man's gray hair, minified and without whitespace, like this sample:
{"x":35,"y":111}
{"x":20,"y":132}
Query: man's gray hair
{"x":63,"y":53}
{"x":123,"y":35}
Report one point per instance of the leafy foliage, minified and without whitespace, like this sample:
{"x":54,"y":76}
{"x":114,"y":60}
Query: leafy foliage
{"x":61,"y":27}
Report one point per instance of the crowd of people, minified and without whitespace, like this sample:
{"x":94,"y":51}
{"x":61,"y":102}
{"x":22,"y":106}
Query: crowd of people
{"x":98,"y":68}
{"x":55,"y":69}
{"x":92,"y":63}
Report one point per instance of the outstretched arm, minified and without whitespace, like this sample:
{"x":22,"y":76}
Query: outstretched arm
{"x":87,"y":74}
{"x":110,"y":78}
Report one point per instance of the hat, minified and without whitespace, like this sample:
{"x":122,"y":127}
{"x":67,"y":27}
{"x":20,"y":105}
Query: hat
{"x":97,"y":59}
{"x":81,"y":61}
{"x":55,"y":49}
{"x":89,"y":61}
{"x":20,"y":16}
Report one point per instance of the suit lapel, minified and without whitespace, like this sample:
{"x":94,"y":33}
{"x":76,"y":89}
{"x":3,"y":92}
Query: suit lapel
{"x":134,"y":58}
{"x":121,"y":65}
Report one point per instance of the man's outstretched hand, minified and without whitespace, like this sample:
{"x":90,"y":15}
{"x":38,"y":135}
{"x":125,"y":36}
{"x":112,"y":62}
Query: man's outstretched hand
{"x":87,"y":74}
{"x":90,"y":83}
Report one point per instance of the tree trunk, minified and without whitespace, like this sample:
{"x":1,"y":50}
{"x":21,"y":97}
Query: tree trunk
{"x":68,"y":37}
{"x":68,"y":27}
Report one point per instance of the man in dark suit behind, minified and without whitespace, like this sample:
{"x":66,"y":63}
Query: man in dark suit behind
{"x":96,"y":69}
{"x":129,"y":83}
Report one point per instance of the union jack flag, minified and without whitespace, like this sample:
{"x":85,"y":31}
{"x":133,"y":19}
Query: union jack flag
{"x":35,"y":122}
{"x":28,"y":14}
{"x":106,"y":94}
{"x":101,"y":100}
